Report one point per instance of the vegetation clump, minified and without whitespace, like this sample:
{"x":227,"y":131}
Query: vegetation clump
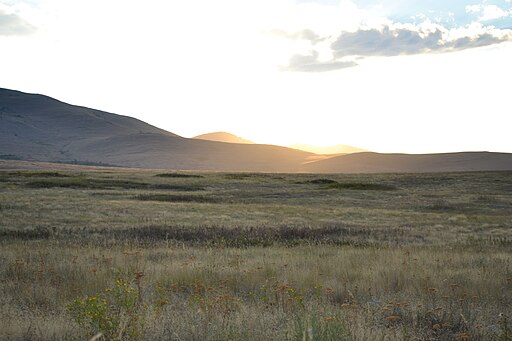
{"x":178,"y":175}
{"x":361,"y":186}
{"x":42,"y":174}
{"x":322,"y":181}
{"x":117,"y":313}
{"x":176,"y":198}
{"x":86,"y":183}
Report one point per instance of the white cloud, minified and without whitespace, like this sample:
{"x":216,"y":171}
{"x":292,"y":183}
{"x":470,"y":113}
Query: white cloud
{"x":12,"y":23}
{"x":488,"y":12}
{"x":491,"y":12}
{"x":311,"y":63}
{"x":474,"y":8}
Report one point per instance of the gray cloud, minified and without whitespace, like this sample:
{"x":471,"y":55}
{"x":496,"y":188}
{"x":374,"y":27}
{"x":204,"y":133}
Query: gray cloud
{"x":387,"y":41}
{"x":310,"y":63}
{"x":398,"y":41}
{"x":12,"y":24}
{"x":481,"y":40}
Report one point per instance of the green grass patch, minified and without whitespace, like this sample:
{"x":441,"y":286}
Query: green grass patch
{"x":176,"y":198}
{"x":360,"y":186}
{"x":178,"y":175}
{"x":85,"y":183}
{"x":322,"y":181}
{"x":35,"y":174}
{"x":244,"y":176}
{"x":26,"y":234}
{"x":241,"y":236}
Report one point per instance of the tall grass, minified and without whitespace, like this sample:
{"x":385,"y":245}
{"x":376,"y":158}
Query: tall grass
{"x":263,"y":293}
{"x":255,"y":256}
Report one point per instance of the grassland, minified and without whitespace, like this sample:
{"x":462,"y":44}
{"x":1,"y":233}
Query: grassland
{"x":242,"y":256}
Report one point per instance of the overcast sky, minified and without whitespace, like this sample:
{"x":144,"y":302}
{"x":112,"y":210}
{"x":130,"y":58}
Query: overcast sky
{"x":389,"y":76}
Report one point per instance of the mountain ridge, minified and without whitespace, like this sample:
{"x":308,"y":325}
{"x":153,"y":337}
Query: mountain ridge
{"x":40,"y":128}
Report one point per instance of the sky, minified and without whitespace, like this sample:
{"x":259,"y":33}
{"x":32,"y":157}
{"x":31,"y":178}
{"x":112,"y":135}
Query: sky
{"x":388,"y":76}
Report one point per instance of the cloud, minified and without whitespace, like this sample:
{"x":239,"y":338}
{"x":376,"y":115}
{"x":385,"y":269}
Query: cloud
{"x":386,"y":42}
{"x":11,"y":25}
{"x":488,"y":12}
{"x":390,"y":41}
{"x":306,"y":34}
{"x":373,"y":33}
{"x":311,"y":63}
{"x":395,"y":40}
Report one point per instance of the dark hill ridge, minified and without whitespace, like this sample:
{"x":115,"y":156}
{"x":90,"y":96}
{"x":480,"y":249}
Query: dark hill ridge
{"x":40,"y":128}
{"x":37,"y":127}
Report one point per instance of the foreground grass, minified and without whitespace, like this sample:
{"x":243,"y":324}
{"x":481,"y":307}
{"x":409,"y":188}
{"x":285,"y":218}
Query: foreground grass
{"x":255,"y":256}
{"x":263,"y":293}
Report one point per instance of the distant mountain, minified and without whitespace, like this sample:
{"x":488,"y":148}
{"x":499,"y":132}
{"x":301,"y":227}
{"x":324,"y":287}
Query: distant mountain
{"x":411,"y":163}
{"x":223,"y":137}
{"x":337,"y":149}
{"x":40,"y":128}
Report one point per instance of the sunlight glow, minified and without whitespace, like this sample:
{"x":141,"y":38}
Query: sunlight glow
{"x":202,"y":66}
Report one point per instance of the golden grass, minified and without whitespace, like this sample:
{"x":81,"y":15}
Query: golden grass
{"x":370,"y":292}
{"x":266,"y":257}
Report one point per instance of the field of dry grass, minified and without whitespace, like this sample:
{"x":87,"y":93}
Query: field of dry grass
{"x":217,"y":256}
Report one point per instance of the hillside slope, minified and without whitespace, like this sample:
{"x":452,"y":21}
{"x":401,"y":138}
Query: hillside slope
{"x":37,"y":127}
{"x":411,"y":163}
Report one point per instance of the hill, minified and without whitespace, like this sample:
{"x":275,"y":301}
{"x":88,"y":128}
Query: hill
{"x":40,"y":128}
{"x":411,"y":163}
{"x":222,"y":136}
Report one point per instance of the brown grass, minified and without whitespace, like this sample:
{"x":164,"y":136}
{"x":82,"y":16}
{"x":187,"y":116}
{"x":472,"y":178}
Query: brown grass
{"x":263,"y":257}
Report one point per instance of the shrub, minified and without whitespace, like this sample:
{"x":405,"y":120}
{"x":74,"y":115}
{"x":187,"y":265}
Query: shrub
{"x":117,"y":313}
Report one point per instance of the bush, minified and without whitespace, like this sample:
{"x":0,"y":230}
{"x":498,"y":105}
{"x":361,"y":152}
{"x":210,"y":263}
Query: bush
{"x":118,"y":313}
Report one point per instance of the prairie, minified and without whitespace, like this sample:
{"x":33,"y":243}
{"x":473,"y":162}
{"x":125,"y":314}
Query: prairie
{"x":142,"y":254}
